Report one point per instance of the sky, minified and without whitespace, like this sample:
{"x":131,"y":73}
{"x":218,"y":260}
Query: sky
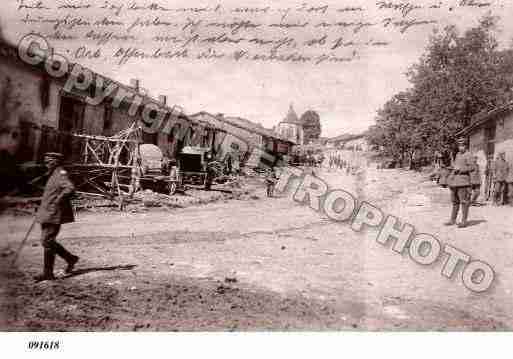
{"x":346,"y":95}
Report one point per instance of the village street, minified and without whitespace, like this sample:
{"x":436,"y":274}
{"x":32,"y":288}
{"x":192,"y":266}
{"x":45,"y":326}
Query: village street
{"x":267,"y":263}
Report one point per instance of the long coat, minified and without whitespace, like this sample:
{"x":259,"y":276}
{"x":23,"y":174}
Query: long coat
{"x":56,"y":204}
{"x":500,"y":170}
{"x":462,"y":167}
{"x":509,"y":179}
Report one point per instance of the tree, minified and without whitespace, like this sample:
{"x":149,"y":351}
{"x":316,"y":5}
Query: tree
{"x":311,"y":125}
{"x":396,"y":131}
{"x":457,"y":78}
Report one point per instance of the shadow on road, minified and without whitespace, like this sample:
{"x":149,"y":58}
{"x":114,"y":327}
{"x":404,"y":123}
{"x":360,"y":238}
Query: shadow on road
{"x":475,"y":222}
{"x":98,"y":269}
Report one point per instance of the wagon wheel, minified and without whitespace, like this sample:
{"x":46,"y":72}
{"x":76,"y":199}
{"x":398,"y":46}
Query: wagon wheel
{"x":171,"y":187}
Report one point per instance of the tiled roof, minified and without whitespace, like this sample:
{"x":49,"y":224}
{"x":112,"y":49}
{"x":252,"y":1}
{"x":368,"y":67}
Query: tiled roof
{"x":482,"y":118}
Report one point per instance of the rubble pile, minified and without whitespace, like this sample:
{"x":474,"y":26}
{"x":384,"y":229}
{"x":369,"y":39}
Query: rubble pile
{"x":233,"y":187}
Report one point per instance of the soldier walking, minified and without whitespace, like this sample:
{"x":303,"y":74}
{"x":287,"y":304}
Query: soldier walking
{"x":54,"y":211}
{"x":475,"y":181}
{"x":459,"y":184}
{"x":500,"y":174}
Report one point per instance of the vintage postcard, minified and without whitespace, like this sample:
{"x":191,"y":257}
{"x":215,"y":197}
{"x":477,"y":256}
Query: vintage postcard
{"x":249,"y":166}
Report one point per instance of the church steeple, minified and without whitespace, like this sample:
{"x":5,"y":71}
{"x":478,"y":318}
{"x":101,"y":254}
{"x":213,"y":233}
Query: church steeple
{"x":291,"y":116}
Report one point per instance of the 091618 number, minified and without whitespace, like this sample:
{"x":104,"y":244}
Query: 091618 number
{"x":43,"y":345}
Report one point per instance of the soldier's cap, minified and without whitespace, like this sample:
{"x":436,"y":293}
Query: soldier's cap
{"x":462,"y":140}
{"x":53,"y":156}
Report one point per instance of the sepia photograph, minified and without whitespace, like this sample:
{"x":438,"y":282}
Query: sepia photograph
{"x":255,"y":166}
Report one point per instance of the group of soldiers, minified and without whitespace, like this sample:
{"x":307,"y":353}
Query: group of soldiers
{"x":336,"y":161}
{"x":502,"y":179}
{"x":463,"y":178}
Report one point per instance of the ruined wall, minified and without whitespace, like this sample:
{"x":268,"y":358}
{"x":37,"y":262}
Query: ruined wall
{"x":29,"y":100}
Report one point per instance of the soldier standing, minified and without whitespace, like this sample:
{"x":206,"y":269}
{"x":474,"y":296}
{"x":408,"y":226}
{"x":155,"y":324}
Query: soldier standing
{"x":270,"y":181}
{"x":488,"y":176}
{"x":509,"y":181}
{"x":459,"y":184}
{"x":444,"y":173}
{"x":475,"y":181}
{"x":54,"y":211}
{"x":500,"y":174}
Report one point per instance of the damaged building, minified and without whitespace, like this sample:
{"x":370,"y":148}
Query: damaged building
{"x":39,"y":115}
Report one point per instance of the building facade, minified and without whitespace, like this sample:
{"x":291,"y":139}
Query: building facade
{"x":291,"y":128}
{"x":489,"y":134}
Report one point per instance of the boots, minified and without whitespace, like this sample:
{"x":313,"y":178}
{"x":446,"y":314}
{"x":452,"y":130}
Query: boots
{"x":464,"y":208}
{"x":454,"y":215}
{"x":49,"y":261}
{"x":71,"y":265}
{"x":67,"y":256}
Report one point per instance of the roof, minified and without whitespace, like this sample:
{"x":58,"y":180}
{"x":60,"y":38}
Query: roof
{"x":345,"y":137}
{"x":245,"y":125}
{"x":482,"y":118}
{"x":255,"y":127}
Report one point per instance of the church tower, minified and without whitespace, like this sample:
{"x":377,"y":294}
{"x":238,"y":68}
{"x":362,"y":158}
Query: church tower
{"x":291,"y":127}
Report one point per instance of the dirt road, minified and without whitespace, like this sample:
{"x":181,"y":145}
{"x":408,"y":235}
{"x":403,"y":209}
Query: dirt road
{"x":264,"y":264}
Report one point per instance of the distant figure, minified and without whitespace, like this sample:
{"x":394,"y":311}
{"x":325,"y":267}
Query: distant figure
{"x":445,"y":171}
{"x":509,"y":181}
{"x":459,"y":184}
{"x":475,"y":181}
{"x":488,"y":177}
{"x":500,"y":174}
{"x":270,"y":181}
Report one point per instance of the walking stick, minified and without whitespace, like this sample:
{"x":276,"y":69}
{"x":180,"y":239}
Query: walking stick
{"x":23,"y":242}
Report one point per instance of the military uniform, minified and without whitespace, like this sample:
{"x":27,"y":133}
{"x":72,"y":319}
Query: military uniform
{"x":500,"y":174}
{"x":475,"y":182}
{"x":55,"y":210}
{"x":270,"y":181}
{"x":460,"y":186}
{"x":509,"y":181}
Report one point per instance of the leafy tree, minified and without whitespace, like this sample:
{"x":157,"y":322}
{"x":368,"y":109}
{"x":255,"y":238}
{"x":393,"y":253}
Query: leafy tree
{"x":311,"y":125}
{"x":459,"y":77}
